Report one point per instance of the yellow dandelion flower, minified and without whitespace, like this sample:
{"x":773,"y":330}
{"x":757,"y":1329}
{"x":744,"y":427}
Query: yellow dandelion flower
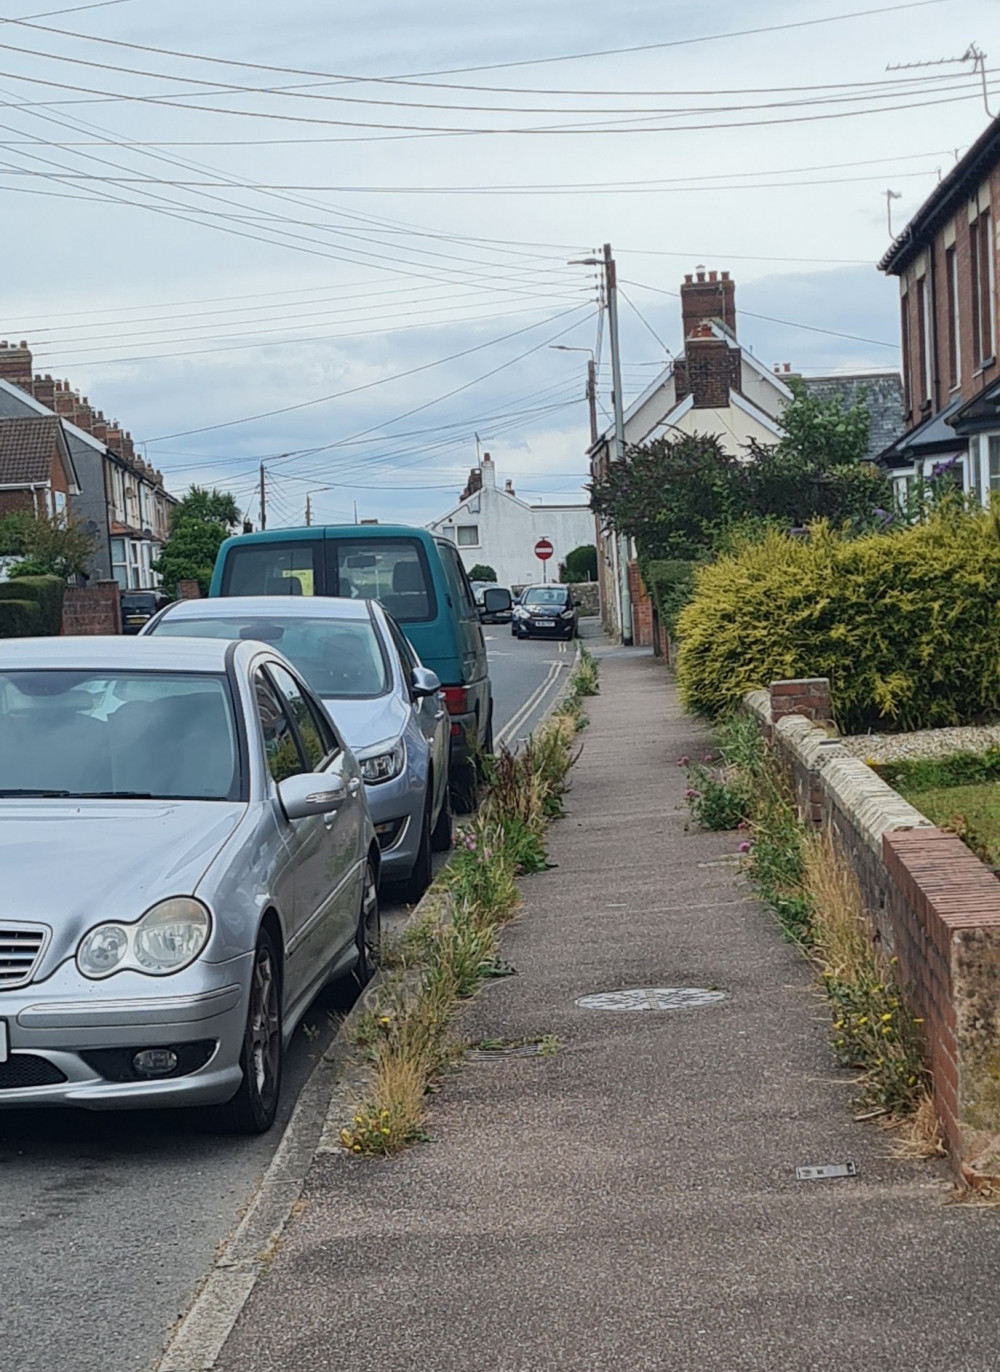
{"x":863,"y":1019}
{"x":885,"y":1018}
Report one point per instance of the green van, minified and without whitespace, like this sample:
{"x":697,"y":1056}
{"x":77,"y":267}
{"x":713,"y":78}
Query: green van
{"x":417,"y":578}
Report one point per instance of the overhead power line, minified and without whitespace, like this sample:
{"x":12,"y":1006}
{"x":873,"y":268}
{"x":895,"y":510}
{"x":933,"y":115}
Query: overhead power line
{"x":355,"y":78}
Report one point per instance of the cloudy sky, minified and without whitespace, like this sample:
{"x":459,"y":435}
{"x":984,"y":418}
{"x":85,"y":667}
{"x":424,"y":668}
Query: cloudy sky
{"x":341,"y":241}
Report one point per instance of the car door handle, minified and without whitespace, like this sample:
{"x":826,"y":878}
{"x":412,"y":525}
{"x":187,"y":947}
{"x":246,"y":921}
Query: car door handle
{"x":354,"y":786}
{"x":440,"y":714}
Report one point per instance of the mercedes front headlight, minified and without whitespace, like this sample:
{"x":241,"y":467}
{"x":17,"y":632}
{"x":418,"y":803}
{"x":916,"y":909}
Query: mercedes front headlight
{"x":166,"y":939}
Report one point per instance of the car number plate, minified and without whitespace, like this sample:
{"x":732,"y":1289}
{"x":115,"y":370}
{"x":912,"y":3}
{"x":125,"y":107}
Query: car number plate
{"x":546,"y":623}
{"x":4,"y":1046}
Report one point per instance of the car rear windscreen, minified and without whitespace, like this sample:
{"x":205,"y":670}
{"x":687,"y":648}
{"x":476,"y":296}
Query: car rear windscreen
{"x":272,"y":569}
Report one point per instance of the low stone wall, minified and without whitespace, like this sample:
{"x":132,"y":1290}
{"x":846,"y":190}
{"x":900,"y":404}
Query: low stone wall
{"x":92,"y":609}
{"x":587,"y":594}
{"x":934,"y":906}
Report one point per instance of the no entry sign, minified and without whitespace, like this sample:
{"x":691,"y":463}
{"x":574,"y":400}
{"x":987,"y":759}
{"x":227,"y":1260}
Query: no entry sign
{"x":543,"y":550}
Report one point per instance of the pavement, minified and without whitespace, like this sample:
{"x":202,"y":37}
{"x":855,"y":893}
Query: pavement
{"x":631,"y":1200}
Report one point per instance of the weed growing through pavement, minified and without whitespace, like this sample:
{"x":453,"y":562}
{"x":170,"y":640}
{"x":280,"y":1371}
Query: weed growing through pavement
{"x":815,"y":894}
{"x":445,"y":958}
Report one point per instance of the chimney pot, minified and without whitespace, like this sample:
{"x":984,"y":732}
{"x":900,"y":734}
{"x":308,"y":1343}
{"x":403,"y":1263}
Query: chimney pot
{"x":689,"y":279}
{"x":713,"y":276}
{"x":701,"y":276}
{"x":23,"y":343}
{"x":788,"y":366}
{"x":725,"y":276}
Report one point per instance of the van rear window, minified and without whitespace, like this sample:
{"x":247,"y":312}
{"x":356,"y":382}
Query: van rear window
{"x":392,"y":571}
{"x":271,"y":569}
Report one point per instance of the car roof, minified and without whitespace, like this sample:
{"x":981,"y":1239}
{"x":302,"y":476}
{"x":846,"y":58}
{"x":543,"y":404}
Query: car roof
{"x":118,"y":652}
{"x":313,"y":532}
{"x":276,"y":607}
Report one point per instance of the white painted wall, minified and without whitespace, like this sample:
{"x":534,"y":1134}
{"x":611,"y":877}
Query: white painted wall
{"x":507,"y":530}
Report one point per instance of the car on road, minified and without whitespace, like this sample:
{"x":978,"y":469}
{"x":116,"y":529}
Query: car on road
{"x":187,"y":859}
{"x":139,"y":607}
{"x":387,"y":705}
{"x":419,"y":579}
{"x":479,"y":589}
{"x":545,"y":612}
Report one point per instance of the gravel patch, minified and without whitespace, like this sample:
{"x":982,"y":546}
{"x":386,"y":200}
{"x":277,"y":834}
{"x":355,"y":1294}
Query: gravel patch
{"x":923,"y":743}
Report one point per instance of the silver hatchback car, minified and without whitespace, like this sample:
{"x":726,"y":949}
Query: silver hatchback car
{"x":187,"y":859}
{"x":387,"y":705}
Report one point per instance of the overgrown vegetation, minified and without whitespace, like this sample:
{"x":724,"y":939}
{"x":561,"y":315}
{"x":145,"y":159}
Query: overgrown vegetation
{"x":31,"y":605}
{"x":906,"y":624}
{"x":580,"y":564}
{"x":198,"y":526}
{"x":482,"y":571}
{"x":47,"y":545}
{"x":816,"y":897}
{"x":444,"y":960}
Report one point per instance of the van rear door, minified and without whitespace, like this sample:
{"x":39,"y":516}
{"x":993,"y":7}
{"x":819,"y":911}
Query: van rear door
{"x":275,"y":567}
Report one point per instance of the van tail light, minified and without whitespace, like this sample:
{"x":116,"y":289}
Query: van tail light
{"x":456,"y":699}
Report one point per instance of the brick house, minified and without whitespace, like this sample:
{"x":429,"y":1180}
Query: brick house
{"x":119,"y":499}
{"x":717,"y":386}
{"x":946,"y":263}
{"x":37,"y":474}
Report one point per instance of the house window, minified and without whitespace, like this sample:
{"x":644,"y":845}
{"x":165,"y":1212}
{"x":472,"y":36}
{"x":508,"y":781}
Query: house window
{"x":468,"y":535}
{"x":981,"y":257}
{"x":924,"y":339}
{"x":119,"y":563}
{"x":976,"y":466}
{"x":954,"y":337}
{"x":994,"y":461}
{"x":907,"y":360}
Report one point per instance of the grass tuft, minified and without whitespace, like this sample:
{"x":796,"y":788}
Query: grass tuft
{"x":444,"y":959}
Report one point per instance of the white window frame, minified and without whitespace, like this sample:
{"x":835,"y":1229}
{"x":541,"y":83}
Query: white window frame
{"x":461,"y":529}
{"x":954,"y":323}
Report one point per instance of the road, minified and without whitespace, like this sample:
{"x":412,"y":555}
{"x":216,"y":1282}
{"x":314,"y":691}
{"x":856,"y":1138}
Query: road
{"x":108,"y":1222}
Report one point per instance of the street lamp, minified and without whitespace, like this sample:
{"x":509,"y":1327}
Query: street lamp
{"x":591,"y":383}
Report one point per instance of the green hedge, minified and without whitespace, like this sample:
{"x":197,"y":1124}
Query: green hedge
{"x":906,"y":624}
{"x":46,"y":592}
{"x":19,"y":619}
{"x":670,"y":583}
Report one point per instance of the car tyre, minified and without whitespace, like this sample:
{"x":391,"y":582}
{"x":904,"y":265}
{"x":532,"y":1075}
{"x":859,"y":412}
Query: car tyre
{"x":441,"y":835}
{"x":342,"y":994}
{"x":420,"y":875}
{"x":253,"y":1108}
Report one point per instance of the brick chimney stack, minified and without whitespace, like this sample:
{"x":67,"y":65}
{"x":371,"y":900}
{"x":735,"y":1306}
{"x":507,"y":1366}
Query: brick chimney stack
{"x":15,"y":364}
{"x":708,"y":297}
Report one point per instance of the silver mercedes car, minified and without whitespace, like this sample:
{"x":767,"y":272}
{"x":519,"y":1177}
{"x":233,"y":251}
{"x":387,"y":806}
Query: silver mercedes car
{"x":388,"y":706}
{"x":187,"y":858}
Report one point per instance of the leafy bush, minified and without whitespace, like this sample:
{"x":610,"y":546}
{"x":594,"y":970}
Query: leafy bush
{"x":46,"y":592}
{"x":905,"y":624}
{"x":580,"y":564}
{"x":671,"y":585}
{"x":482,"y":571}
{"x":19,"y":619}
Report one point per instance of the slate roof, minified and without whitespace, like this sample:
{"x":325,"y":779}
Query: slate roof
{"x":882,"y":393}
{"x":27,"y":446}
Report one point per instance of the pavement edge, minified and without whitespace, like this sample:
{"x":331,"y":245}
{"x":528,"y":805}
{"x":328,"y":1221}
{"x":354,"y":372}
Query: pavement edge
{"x":313,"y":1129}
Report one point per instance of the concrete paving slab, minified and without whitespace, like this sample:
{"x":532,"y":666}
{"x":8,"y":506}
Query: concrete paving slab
{"x":631,"y":1201}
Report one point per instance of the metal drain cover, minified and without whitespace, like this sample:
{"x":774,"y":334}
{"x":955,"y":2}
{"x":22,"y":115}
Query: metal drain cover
{"x":651,"y":998}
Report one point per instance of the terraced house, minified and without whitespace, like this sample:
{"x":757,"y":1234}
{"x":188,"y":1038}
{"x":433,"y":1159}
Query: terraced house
{"x":110,"y":490}
{"x":946,"y":263}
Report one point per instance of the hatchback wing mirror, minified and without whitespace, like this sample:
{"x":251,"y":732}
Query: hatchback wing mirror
{"x":310,"y":793}
{"x":424,"y":682}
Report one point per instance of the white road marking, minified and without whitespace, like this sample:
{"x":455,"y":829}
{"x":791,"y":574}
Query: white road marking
{"x":507,"y":732}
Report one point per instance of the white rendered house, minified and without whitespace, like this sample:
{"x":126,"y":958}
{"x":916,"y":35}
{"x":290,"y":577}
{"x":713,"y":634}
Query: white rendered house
{"x":497,"y":528}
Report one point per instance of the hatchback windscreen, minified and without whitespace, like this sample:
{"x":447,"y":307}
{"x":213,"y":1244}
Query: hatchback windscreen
{"x":337,"y":658}
{"x":154,"y":735}
{"x":546,"y":596}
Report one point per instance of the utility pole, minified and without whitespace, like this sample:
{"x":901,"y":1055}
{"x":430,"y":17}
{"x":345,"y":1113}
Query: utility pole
{"x":592,"y":398}
{"x":263,"y":499}
{"x":309,"y":519}
{"x":611,"y":283}
{"x":355,"y":512}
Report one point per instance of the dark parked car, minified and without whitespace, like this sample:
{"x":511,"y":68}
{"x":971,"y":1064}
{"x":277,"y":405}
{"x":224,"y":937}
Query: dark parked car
{"x":545,"y":612}
{"x":139,"y":607}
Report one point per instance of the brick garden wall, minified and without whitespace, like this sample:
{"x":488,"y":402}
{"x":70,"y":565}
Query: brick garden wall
{"x":92,"y":609}
{"x":934,"y":906}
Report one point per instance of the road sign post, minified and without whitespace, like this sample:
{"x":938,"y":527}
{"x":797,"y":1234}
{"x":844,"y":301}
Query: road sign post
{"x":543,"y":551}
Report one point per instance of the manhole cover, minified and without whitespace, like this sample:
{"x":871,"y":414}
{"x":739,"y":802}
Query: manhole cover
{"x":651,"y":998}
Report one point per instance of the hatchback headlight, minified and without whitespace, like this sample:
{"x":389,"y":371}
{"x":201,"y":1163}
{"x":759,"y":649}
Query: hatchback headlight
{"x":567,"y":613}
{"x":168,"y":938}
{"x":383,"y":764}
